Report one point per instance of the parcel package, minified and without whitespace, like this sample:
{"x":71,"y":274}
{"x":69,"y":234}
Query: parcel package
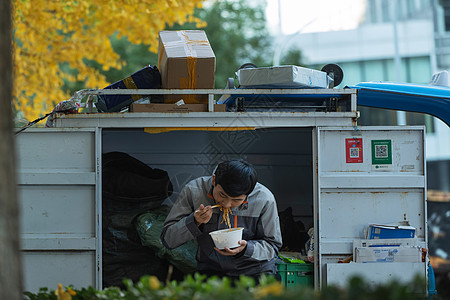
{"x":186,"y":61}
{"x":146,"y":78}
{"x":380,"y":254}
{"x":282,"y":77}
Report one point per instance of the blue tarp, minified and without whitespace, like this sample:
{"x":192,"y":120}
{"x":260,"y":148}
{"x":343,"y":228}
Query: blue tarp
{"x":429,"y":99}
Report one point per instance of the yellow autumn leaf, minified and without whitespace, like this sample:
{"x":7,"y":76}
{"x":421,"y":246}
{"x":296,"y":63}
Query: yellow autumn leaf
{"x":48,"y":34}
{"x":154,"y":282}
{"x":64,"y":295}
{"x":274,"y":289}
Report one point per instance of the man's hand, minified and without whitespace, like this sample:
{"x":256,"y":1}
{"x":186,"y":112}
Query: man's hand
{"x":234,"y":251}
{"x":203,"y":214}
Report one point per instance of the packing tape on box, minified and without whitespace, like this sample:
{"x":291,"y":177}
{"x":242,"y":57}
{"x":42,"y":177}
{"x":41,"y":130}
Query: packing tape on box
{"x":130,"y":84}
{"x":185,"y":42}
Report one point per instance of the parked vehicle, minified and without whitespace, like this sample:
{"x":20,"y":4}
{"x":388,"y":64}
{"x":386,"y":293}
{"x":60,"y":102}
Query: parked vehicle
{"x":336,"y":176}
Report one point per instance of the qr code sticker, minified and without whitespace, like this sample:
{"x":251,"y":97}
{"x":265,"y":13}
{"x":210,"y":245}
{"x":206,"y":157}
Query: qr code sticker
{"x":381,"y":151}
{"x":354,"y":152}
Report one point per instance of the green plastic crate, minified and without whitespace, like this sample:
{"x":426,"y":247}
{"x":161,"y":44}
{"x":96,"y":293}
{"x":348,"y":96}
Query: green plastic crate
{"x":296,"y":275}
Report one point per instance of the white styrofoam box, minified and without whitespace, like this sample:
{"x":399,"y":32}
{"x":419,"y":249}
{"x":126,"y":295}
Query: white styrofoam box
{"x":413,"y":242}
{"x":386,"y":242}
{"x":383,"y":254}
{"x":283,"y":77}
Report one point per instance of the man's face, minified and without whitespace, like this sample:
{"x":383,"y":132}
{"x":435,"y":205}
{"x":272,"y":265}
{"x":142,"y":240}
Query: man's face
{"x":223,"y":199}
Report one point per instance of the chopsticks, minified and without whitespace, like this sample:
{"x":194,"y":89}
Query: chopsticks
{"x":214,"y":206}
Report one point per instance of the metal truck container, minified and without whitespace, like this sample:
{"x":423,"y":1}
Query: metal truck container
{"x":336,"y":176}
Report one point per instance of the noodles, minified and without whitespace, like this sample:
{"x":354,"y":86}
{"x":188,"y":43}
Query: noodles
{"x":226,"y":216}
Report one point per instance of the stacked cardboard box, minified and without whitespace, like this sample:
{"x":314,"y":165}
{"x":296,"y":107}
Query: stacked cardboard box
{"x":186,"y":61}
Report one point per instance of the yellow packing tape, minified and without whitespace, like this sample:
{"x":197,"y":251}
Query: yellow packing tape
{"x":192,"y":78}
{"x":129,"y":83}
{"x":160,"y":56}
{"x":168,"y":129}
{"x":192,"y":67}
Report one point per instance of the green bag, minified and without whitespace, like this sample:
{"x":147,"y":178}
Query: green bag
{"x":149,"y":226}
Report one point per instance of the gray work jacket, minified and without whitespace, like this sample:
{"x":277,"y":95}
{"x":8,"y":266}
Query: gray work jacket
{"x":258,"y":217}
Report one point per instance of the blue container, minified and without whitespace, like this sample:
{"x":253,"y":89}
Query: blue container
{"x":391,"y":232}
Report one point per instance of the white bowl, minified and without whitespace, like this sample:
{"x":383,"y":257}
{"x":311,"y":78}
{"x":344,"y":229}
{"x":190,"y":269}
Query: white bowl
{"x":227,"y":238}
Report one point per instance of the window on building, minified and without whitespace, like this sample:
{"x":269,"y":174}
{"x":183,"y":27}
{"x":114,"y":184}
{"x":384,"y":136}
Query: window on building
{"x":386,"y":12}
{"x":372,"y":12}
{"x":446,"y":7}
{"x":410,"y":8}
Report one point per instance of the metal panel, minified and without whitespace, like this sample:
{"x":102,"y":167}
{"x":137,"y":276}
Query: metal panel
{"x":351,"y":194}
{"x":48,"y":268}
{"x":346,"y":212}
{"x":57,"y":177}
{"x":207,"y":119}
{"x":54,"y":149}
{"x":57,"y":242}
{"x":374,"y":273}
{"x":57,"y":209}
{"x":407,"y":147}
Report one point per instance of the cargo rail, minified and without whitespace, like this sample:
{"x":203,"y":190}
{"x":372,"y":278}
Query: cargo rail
{"x":343,"y":109}
{"x":301,"y":93}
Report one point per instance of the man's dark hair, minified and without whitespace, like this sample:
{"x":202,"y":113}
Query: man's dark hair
{"x":236,"y":177}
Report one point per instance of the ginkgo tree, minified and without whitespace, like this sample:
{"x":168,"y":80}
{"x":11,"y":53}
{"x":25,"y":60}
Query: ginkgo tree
{"x":49,"y":34}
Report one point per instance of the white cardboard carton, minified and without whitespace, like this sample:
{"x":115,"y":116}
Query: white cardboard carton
{"x":388,"y":254}
{"x":282,"y":77}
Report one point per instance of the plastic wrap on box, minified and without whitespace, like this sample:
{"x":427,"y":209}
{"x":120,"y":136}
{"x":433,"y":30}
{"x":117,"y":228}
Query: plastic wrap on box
{"x":283,"y":77}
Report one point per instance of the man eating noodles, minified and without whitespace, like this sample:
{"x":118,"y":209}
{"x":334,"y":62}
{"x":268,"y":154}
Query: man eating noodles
{"x":232,"y":188}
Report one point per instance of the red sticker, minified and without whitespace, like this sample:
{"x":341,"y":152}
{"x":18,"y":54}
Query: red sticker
{"x":353,"y":150}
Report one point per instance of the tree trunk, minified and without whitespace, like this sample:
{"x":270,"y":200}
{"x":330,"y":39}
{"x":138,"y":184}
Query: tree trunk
{"x":10,"y":264}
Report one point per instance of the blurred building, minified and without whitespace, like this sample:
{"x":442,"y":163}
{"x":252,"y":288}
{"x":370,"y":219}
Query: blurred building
{"x":401,"y":41}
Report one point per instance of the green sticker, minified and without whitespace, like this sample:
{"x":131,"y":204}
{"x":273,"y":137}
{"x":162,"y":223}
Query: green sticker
{"x":381,"y":152}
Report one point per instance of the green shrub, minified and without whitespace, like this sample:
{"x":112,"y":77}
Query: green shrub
{"x":200,"y":287}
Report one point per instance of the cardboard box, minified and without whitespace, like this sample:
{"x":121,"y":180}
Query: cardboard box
{"x":388,"y":254}
{"x":386,"y":242}
{"x":174,"y":108}
{"x":283,"y":77}
{"x":186,"y":61}
{"x":359,"y":243}
{"x":390,"y":231}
